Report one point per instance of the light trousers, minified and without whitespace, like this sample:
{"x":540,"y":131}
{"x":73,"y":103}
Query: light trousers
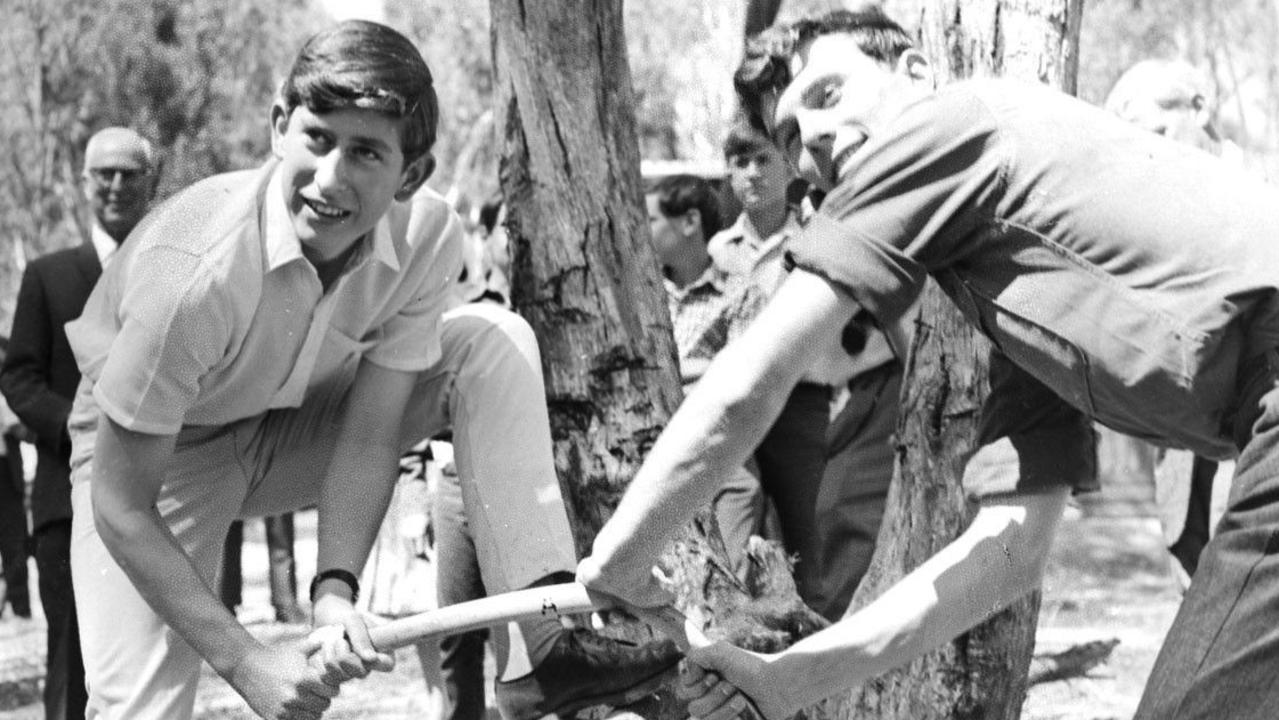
{"x":487,"y":388}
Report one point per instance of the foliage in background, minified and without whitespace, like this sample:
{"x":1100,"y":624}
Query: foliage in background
{"x":1235,"y":44}
{"x":195,"y":78}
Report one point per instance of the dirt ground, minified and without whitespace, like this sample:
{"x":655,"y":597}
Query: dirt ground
{"x":1108,"y":578}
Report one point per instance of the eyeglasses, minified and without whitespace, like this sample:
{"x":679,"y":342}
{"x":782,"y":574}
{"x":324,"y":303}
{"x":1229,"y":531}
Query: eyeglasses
{"x":107,"y":175}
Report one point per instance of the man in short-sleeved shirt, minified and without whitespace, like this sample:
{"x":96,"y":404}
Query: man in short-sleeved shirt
{"x":268,"y":334}
{"x":1134,"y":279}
{"x":273,"y":339}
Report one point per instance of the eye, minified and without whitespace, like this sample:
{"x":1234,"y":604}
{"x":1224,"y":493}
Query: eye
{"x":368,"y":154}
{"x":317,"y":140}
{"x":831,"y":95}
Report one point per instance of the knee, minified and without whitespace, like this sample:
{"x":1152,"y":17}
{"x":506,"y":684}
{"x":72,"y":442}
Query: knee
{"x":491,"y":332}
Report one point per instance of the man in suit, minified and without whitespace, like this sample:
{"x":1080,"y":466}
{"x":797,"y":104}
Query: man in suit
{"x":14,"y":535}
{"x":39,"y":378}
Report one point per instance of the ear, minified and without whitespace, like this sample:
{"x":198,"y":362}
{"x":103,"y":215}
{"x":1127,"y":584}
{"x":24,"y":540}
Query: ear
{"x":415,"y":173}
{"x":153,"y":183}
{"x":1203,"y":115}
{"x":915,"y":66}
{"x":279,"y":127}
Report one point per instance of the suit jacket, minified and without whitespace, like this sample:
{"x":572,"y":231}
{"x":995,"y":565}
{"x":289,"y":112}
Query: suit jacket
{"x":39,"y":375}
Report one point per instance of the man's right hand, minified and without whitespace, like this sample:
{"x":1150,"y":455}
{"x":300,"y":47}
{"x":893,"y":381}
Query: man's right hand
{"x":344,"y":646}
{"x":280,"y":683}
{"x":719,"y":680}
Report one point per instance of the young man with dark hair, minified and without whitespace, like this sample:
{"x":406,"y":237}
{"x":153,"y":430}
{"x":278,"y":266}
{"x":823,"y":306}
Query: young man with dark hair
{"x":273,"y":339}
{"x":1119,"y":275}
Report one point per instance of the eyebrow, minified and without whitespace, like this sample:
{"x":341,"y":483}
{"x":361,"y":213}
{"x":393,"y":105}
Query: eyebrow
{"x":375,"y":143}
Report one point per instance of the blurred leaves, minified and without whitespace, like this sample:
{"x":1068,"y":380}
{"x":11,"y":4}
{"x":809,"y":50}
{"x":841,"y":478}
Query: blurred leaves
{"x":196,"y":79}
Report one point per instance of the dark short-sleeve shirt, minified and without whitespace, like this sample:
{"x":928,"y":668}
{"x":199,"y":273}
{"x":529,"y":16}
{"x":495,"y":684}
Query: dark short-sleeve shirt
{"x":1128,"y":274}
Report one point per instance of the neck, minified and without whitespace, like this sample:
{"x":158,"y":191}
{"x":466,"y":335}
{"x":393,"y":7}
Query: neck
{"x":768,"y":218}
{"x":116,"y":232}
{"x":687,"y":266}
{"x":329,"y":270}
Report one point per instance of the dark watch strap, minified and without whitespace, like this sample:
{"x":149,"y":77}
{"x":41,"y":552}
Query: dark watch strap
{"x":337,"y":574}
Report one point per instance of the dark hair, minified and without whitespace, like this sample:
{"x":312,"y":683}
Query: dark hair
{"x":765,"y":68}
{"x":745,"y":139}
{"x":362,"y":64}
{"x":677,"y":194}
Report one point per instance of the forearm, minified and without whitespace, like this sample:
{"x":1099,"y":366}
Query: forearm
{"x":361,"y":477}
{"x":143,"y":547}
{"x":126,"y":484}
{"x":996,"y":561}
{"x":354,"y":498}
{"x":711,"y":435}
{"x":721,"y":423}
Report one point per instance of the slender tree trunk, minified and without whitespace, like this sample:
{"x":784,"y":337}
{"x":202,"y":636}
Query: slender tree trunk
{"x":982,"y":674}
{"x":585,"y":275}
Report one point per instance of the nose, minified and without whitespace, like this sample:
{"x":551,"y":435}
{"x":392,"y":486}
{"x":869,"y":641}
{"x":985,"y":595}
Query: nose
{"x":815,"y":142}
{"x":331,"y":170}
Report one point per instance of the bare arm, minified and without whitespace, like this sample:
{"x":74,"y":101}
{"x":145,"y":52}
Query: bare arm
{"x":128,"y":475}
{"x":125,"y":487}
{"x":715,"y":430}
{"x":357,"y":490}
{"x":999,"y":558}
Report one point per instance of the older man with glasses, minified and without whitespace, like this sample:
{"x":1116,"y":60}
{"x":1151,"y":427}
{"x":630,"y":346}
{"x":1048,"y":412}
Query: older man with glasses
{"x":39,"y":378}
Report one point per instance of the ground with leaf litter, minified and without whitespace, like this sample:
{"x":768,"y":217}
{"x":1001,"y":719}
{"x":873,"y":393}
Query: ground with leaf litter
{"x":1108,"y":580}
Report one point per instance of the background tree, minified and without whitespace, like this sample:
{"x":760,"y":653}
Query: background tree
{"x":194,"y":78}
{"x":586,"y":277}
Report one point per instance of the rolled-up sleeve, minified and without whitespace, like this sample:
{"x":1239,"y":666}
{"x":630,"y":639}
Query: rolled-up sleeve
{"x":1029,"y":439}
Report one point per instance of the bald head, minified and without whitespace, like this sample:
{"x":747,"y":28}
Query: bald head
{"x":119,"y":179}
{"x":1169,"y":97}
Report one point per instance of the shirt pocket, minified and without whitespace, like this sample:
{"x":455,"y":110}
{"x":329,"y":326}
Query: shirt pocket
{"x":339,"y":358}
{"x":327,"y":357}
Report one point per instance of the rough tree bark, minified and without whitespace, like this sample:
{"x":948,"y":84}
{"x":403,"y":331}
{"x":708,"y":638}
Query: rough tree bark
{"x":586,"y":278}
{"x":584,"y":274}
{"x":982,"y":674}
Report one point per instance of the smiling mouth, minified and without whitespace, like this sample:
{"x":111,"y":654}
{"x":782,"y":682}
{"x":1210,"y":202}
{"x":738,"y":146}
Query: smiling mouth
{"x":842,"y":158}
{"x":325,"y":210}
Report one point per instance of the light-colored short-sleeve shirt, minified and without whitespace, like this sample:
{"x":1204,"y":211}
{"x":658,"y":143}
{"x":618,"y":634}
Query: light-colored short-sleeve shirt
{"x":210,"y":313}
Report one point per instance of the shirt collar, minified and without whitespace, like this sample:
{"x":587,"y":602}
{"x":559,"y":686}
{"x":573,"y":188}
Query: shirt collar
{"x":282,"y":244}
{"x":712,"y":278}
{"x":743,"y":230}
{"x":103,"y":244}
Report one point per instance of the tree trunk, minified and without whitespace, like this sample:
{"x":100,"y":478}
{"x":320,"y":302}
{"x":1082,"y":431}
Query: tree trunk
{"x":982,"y":674}
{"x":586,"y":278}
{"x":584,"y":275}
